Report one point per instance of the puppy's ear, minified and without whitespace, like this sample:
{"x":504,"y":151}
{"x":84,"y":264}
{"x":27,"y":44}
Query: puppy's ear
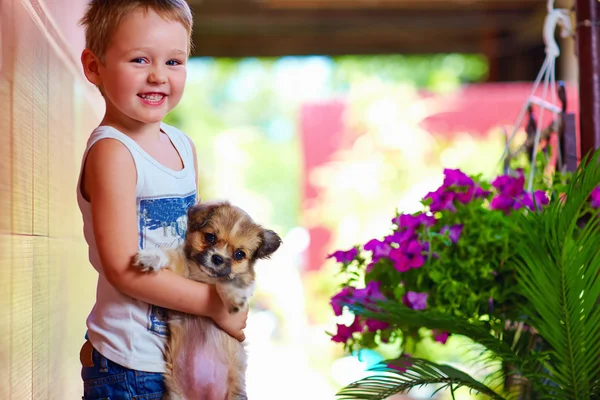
{"x":270,"y":243}
{"x":199,"y":214}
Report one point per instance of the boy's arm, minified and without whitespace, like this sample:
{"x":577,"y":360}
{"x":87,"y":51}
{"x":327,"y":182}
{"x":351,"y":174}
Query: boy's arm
{"x":110,"y":184}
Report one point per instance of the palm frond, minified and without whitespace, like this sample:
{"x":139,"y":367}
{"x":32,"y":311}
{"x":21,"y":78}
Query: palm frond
{"x":508,"y":348}
{"x":558,"y":274}
{"x":406,"y":373}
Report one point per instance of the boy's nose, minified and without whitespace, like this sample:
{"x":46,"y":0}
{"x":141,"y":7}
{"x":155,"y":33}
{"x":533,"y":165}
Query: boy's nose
{"x":157,"y":77}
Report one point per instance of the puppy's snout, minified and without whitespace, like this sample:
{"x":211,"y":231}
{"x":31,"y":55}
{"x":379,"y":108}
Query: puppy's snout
{"x":225,"y":271}
{"x":221,"y":265}
{"x":217,"y":260}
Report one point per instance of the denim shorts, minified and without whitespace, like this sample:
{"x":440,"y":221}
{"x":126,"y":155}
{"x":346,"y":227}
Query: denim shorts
{"x":107,"y":380}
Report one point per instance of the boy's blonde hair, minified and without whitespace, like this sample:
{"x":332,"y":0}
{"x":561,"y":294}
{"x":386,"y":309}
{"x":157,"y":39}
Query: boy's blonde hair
{"x":103,"y":17}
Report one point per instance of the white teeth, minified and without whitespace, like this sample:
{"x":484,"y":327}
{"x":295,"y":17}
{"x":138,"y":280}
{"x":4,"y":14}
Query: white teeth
{"x":152,"y":97}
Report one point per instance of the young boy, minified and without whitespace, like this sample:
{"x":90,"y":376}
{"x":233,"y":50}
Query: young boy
{"x":138,"y":178}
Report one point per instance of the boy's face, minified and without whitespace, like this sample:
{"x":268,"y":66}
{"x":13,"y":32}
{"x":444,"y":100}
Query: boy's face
{"x":144,"y":72}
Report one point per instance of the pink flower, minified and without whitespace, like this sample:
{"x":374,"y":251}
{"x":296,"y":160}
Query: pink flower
{"x":465,"y":195}
{"x":502,"y":202}
{"x":337,"y":302}
{"x":374,"y":325}
{"x":369,"y":293}
{"x":349,"y":295}
{"x":344,"y":333}
{"x":368,"y":296}
{"x":378,"y":248}
{"x":441,"y":200}
{"x":455,"y":177}
{"x":459,"y":182}
{"x":480,"y":193}
{"x":510,"y":186}
{"x":411,"y":222}
{"x":440,"y":337}
{"x":415,"y":300}
{"x":344,"y":256}
{"x":454,"y":232}
{"x":400,"y":237}
{"x":409,"y":257}
{"x":527,"y":200}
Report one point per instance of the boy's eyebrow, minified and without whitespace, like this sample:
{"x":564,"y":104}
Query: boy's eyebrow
{"x":146,"y":49}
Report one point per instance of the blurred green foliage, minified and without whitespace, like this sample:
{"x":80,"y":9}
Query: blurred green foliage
{"x":261,"y":98}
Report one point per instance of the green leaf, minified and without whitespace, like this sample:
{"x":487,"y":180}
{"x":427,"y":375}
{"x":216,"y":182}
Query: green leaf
{"x":506,"y":347}
{"x":406,"y":373}
{"x":558,"y":275}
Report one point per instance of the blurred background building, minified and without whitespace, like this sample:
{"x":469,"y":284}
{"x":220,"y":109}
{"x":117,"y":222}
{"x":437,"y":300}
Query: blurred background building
{"x":319,"y":117}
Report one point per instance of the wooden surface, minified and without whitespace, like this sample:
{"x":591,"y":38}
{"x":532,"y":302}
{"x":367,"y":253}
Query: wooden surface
{"x":588,"y":46}
{"x":46,"y":283}
{"x":238,"y":28}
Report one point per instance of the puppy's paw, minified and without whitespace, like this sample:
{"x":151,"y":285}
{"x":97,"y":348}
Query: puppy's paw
{"x":237,"y":305}
{"x":151,"y":260}
{"x":234,"y":297}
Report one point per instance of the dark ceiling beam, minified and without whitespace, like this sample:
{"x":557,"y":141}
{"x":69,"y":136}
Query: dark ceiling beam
{"x":237,"y":28}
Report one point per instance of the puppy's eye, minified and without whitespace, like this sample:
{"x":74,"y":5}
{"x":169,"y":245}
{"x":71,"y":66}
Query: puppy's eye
{"x":210,"y":238}
{"x":239,"y":255}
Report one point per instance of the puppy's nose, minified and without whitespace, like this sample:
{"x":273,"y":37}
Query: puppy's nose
{"x":217,"y":259}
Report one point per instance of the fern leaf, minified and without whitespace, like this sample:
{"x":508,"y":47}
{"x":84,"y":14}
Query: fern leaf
{"x":406,"y":373}
{"x":558,"y":274}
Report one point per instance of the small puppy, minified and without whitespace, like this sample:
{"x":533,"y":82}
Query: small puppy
{"x":221,"y":248}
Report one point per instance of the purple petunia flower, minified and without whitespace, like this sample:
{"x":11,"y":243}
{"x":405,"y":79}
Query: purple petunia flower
{"x":408,"y":257}
{"x":344,"y":333}
{"x":527,"y":200}
{"x":480,"y":193}
{"x":371,"y":291}
{"x":373,"y":325}
{"x":344,"y":256}
{"x":441,"y":200}
{"x":455,"y":232}
{"x":400,"y":237}
{"x":455,"y":177}
{"x":502,"y":202}
{"x":415,"y":300}
{"x":440,"y":337}
{"x":595,"y":195}
{"x":510,"y":186}
{"x":378,"y":249}
{"x":411,"y":222}
{"x":337,"y":302}
{"x":461,"y":184}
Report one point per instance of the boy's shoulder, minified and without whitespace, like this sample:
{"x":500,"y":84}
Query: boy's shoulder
{"x":173,"y":129}
{"x":178,"y":132}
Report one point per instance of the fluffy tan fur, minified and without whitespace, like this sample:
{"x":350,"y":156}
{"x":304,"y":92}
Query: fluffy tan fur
{"x":221,"y":247}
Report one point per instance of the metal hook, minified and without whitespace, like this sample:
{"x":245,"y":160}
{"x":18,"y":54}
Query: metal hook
{"x":556,"y":17}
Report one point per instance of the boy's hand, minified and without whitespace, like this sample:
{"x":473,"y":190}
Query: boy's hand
{"x":233,"y":324}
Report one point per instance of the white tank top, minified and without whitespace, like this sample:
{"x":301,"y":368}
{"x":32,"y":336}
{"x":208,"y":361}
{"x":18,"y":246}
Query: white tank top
{"x":127,"y":331}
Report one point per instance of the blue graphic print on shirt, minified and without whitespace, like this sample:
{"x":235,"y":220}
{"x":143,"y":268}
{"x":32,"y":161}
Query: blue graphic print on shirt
{"x":162,"y":223}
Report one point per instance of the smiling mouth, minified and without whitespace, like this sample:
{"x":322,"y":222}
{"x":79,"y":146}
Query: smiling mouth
{"x":152,"y":98}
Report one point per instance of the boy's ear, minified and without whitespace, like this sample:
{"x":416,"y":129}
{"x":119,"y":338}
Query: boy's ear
{"x":91,"y":63}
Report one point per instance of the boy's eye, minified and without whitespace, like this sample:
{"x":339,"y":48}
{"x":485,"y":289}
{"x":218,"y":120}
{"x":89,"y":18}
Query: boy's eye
{"x":239,"y":255}
{"x":210,"y":238}
{"x":173,"y":63}
{"x":139,"y":60}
